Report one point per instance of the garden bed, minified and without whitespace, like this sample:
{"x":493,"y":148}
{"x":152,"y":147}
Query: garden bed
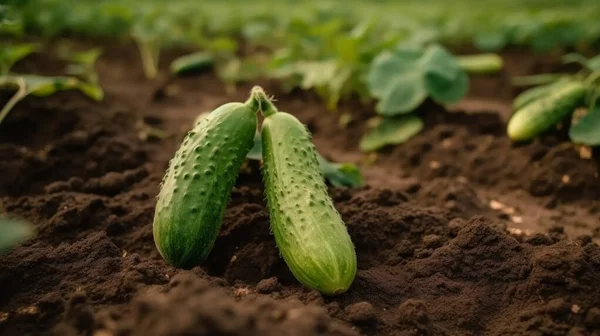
{"x":457,"y":232}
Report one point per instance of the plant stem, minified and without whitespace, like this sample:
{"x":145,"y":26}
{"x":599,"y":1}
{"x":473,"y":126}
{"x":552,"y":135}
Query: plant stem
{"x":149,"y":56}
{"x":260,"y":101}
{"x":21,"y":93}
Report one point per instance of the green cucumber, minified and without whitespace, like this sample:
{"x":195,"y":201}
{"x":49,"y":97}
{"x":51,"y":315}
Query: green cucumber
{"x":197,"y":185}
{"x":534,"y":94}
{"x":309,"y":232}
{"x":538,"y":116}
{"x":482,"y":64}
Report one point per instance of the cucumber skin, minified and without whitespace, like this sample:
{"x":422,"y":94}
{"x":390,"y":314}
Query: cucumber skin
{"x":533,"y":94}
{"x":309,"y":232}
{"x":540,"y":115}
{"x":197,"y":185}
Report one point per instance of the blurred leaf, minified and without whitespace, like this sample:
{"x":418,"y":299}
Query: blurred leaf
{"x":194,"y":62}
{"x":403,"y":79}
{"x":445,"y":80}
{"x":11,"y":54}
{"x":404,"y":95}
{"x":84,"y":65}
{"x":490,"y":41}
{"x":592,"y":64}
{"x":13,"y":232}
{"x":391,"y":131}
{"x":341,"y":174}
{"x":240,"y":70}
{"x":43,"y":86}
{"x":587,"y":130}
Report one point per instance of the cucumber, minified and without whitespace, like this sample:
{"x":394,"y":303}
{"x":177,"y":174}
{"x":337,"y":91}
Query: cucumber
{"x":308,"y":230}
{"x":544,"y":113}
{"x":197,"y":185}
{"x":534,"y":94}
{"x":482,"y":64}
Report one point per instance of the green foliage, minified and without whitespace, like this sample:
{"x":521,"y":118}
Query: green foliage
{"x":83,"y":64}
{"x":11,"y":54}
{"x":391,"y":131}
{"x":587,"y":130}
{"x":548,"y":101}
{"x":191,"y":63}
{"x":41,"y":87}
{"x":13,"y":232}
{"x":401,"y":79}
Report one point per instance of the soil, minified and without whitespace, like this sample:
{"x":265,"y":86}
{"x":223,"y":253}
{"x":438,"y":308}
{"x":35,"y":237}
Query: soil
{"x":457,"y":232}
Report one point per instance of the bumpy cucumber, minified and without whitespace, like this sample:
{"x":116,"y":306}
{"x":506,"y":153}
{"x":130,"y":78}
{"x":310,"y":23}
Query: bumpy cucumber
{"x":197,"y":186}
{"x":309,"y":232}
{"x":538,"y":116}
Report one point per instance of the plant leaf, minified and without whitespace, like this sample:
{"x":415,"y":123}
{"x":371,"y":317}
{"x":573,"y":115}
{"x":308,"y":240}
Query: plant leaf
{"x":403,"y":95}
{"x":386,"y":66}
{"x":587,"y":130}
{"x":11,"y":54}
{"x":197,"y":61}
{"x":341,"y":174}
{"x":391,"y":131}
{"x":41,"y":86}
{"x":445,"y":80}
{"x":13,"y":232}
{"x":490,"y":41}
{"x":403,"y":79}
{"x":447,"y":91}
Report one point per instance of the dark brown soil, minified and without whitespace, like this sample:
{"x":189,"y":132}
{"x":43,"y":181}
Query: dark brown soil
{"x":458,"y":232}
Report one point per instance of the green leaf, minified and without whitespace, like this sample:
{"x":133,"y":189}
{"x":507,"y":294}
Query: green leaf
{"x":197,"y":61}
{"x":13,"y":232}
{"x":403,"y":79}
{"x":445,"y":80}
{"x":587,"y":130}
{"x":11,"y":54}
{"x":403,"y":95}
{"x":592,"y":64}
{"x":341,"y":174}
{"x":387,"y":66}
{"x":490,"y":41}
{"x":43,"y":86}
{"x":447,"y":91}
{"x":391,"y":131}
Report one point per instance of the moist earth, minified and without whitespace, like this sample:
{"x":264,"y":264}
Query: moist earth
{"x":457,"y":232}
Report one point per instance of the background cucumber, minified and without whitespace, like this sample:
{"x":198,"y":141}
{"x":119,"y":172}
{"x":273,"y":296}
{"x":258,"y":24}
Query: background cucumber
{"x":308,"y":230}
{"x":482,"y":64}
{"x":197,"y":185}
{"x":546,"y":112}
{"x":535,"y":93}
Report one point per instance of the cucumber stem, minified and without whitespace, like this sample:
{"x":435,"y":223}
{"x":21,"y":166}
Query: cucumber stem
{"x":260,"y":98}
